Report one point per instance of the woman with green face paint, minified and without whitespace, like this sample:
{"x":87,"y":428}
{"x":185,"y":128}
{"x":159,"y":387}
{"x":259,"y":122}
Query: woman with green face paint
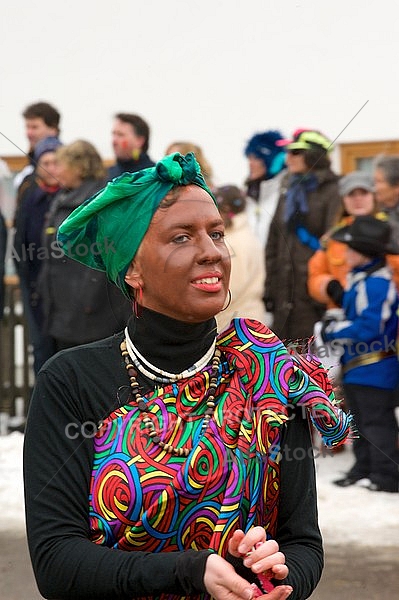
{"x":169,"y":460}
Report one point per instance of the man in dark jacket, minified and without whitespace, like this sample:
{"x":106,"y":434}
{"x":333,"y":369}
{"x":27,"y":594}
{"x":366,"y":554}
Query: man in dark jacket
{"x":130,"y":141}
{"x":42,"y":120}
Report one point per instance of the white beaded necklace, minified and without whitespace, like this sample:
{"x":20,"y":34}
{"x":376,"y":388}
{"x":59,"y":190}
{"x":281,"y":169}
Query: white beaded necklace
{"x":159,"y":375}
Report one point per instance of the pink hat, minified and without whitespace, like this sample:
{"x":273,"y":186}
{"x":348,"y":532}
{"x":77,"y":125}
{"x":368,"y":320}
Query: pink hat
{"x":306,"y":139}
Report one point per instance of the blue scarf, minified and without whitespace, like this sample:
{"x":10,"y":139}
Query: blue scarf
{"x":296,"y":203}
{"x":296,"y":208}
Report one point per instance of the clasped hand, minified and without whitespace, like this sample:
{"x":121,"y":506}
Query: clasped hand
{"x":222,"y":581}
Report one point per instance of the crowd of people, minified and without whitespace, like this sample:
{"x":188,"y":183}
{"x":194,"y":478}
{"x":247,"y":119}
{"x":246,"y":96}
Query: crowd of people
{"x":171,"y":321}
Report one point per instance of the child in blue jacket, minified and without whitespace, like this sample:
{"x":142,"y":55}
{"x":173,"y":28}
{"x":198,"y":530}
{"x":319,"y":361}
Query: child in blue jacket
{"x":370,"y":367}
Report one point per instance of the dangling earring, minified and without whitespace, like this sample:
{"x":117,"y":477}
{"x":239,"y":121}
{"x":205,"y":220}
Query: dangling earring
{"x":228,"y":303}
{"x":138,"y":302}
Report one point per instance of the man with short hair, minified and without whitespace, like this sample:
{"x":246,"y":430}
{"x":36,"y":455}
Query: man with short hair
{"x":130,"y":141}
{"x":42,"y":120}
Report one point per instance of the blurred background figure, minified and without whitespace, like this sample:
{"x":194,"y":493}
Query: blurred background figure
{"x":184,"y":148}
{"x":386,"y":182}
{"x":7,"y":193}
{"x":7,"y":209}
{"x":386,"y":186}
{"x":370,"y":368}
{"x":307,"y":208}
{"x":327,"y":268}
{"x":247,"y":263}
{"x":3,"y":246}
{"x":5,"y":176}
{"x":81,"y":305}
{"x":266,"y":162}
{"x":42,"y":120}
{"x":35,"y":195}
{"x":130,"y":142}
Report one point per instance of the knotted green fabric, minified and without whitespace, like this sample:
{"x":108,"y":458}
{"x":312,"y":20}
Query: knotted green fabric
{"x":105,"y":231}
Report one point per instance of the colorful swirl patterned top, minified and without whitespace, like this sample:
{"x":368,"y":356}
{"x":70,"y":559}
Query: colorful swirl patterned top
{"x":143,"y":498}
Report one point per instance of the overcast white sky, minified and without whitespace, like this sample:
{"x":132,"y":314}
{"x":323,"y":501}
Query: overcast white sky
{"x":211,"y":71}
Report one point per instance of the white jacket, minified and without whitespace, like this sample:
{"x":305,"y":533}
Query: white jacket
{"x":247,"y":274}
{"x":261,"y":212}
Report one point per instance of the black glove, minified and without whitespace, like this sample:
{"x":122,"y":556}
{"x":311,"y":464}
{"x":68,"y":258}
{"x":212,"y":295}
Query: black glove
{"x":327,"y":321}
{"x":335,"y":291}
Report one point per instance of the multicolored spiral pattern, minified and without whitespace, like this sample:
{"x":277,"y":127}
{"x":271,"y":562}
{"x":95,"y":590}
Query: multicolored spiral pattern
{"x":143,"y":498}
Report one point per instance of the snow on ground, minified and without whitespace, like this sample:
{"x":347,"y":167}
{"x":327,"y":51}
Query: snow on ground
{"x":347,"y":516}
{"x":354,"y":515}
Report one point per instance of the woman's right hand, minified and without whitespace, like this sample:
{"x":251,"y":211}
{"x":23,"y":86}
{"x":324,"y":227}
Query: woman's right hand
{"x":223,"y":583}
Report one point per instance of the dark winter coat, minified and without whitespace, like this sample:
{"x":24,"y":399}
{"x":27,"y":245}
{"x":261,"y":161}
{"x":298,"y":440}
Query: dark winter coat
{"x":393,"y":217}
{"x":81,"y":305}
{"x":130,"y":166}
{"x":287,"y":258}
{"x":33,"y":203}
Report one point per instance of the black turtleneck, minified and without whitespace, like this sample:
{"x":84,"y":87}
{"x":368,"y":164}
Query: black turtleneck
{"x":170,"y":344}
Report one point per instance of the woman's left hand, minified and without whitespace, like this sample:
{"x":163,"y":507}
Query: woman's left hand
{"x":264,"y":556}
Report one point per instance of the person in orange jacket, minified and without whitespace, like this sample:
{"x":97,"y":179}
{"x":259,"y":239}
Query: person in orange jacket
{"x":327,"y":268}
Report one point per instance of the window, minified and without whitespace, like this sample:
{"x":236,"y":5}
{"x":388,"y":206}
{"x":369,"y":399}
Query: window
{"x":15,"y":163}
{"x":359,"y":156}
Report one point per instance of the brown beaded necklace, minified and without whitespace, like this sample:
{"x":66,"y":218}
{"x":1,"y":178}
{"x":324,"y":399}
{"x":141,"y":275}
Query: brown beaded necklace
{"x":142,"y":406}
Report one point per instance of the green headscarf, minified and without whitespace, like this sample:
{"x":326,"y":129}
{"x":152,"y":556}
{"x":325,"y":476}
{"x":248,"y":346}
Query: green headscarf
{"x":105,"y":231}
